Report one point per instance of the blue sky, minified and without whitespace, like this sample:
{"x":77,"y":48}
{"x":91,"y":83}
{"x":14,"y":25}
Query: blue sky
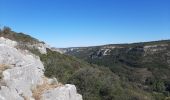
{"x":70,"y":23}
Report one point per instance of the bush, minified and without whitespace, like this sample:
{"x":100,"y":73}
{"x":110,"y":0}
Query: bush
{"x":158,"y":86}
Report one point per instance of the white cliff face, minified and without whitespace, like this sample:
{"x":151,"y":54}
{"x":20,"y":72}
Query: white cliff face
{"x":58,"y":50}
{"x":155,"y":48}
{"x":39,"y":46}
{"x":42,"y":47}
{"x":7,"y":42}
{"x":25,"y":74}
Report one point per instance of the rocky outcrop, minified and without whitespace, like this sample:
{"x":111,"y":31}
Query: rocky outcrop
{"x":67,"y":92}
{"x":58,"y":50}
{"x":7,"y":42}
{"x":155,"y":48}
{"x":24,"y":74}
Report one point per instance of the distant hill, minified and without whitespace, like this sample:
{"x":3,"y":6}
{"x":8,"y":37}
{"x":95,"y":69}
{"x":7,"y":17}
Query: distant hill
{"x":145,"y":64}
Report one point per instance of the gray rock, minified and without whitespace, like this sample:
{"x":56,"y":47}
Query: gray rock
{"x":66,"y":92}
{"x":25,"y":73}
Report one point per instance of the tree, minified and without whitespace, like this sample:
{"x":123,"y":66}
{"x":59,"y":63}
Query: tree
{"x":6,"y":30}
{"x":0,"y":31}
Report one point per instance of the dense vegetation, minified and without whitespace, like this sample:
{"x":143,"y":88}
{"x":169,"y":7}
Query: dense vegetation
{"x":146,"y":68}
{"x":93,"y":82}
{"x":128,"y":73}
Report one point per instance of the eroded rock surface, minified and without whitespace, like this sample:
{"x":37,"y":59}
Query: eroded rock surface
{"x":66,"y":92}
{"x":25,"y":74}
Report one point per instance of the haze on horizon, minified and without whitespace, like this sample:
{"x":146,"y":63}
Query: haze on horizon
{"x":74,"y":23}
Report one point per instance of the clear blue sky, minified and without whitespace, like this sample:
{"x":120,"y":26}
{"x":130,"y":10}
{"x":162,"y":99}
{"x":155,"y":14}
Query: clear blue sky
{"x":70,"y":23}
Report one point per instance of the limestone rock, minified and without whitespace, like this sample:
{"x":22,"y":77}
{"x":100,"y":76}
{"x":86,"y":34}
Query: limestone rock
{"x":25,"y":74}
{"x":7,"y":42}
{"x":66,"y":92}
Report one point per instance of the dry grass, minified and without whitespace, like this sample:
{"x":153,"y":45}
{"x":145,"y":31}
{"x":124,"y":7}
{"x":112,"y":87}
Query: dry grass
{"x":167,"y":98}
{"x":25,"y":98}
{"x":2,"y":68}
{"x":41,"y":88}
